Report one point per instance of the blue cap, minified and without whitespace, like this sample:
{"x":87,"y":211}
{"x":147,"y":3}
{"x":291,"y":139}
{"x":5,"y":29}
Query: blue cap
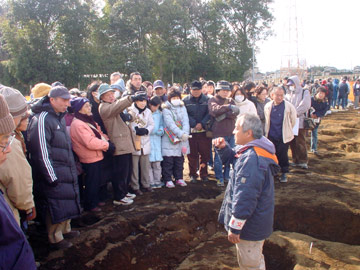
{"x":119,"y":84}
{"x":104,"y":88}
{"x":158,"y":84}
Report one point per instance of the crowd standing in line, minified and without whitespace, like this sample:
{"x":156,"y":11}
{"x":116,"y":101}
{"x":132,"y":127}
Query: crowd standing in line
{"x":135,"y":135}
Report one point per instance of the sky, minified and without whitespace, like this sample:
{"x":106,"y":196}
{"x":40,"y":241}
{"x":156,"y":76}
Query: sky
{"x":326,"y":34}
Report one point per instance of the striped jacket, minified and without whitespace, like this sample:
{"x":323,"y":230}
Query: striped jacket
{"x":54,"y":171}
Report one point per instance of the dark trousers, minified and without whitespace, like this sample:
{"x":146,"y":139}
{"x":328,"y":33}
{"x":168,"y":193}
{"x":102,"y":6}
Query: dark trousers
{"x":172,"y":166}
{"x":200,"y":146}
{"x":281,"y":153}
{"x":92,"y":181}
{"x":298,"y":148}
{"x":121,"y":170}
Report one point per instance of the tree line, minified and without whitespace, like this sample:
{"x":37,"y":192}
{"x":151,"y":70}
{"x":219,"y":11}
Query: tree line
{"x":180,"y":40}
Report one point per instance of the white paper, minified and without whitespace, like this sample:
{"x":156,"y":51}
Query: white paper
{"x":296,"y":127}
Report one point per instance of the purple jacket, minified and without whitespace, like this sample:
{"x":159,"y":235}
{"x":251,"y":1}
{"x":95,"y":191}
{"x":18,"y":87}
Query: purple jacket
{"x":15,"y":251}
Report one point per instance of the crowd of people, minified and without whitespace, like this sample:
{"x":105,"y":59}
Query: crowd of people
{"x":135,"y":135}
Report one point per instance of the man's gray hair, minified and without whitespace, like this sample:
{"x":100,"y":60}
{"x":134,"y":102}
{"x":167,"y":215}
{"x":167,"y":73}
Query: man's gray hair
{"x":115,"y":74}
{"x":251,"y":122}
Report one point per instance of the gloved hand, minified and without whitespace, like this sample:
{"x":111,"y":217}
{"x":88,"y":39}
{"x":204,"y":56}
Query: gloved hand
{"x":184,"y":137}
{"x":235,"y":109}
{"x":138,"y":96}
{"x":126,"y":117}
{"x":141,"y":131}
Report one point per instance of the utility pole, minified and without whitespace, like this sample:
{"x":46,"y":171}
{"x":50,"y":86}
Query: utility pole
{"x":253,"y":62}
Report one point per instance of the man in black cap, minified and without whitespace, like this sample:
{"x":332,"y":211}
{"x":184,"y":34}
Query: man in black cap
{"x":197,"y":108}
{"x":54,"y":171}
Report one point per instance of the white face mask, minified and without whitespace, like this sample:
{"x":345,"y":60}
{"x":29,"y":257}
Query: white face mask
{"x":239,"y":98}
{"x":176,"y":102}
{"x":292,"y":88}
{"x":117,"y":94}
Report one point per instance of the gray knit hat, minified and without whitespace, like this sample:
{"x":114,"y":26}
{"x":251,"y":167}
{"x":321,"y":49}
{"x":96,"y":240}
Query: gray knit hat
{"x":15,"y":100}
{"x":7,"y":124}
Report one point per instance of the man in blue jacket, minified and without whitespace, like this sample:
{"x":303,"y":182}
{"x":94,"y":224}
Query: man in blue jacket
{"x":247,"y":211}
{"x":197,"y":108}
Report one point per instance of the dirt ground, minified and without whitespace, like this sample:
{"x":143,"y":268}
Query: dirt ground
{"x":317,"y":220}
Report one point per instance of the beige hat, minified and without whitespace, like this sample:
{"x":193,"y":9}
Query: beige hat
{"x":15,"y":100}
{"x":40,"y":90}
{"x":7,"y":124}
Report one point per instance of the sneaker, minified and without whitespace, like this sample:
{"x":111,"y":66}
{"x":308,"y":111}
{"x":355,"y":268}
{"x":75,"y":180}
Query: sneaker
{"x":193,"y":179}
{"x":153,"y":186}
{"x":220,"y":183}
{"x":205,"y":179}
{"x":130,"y":196}
{"x":123,"y":201}
{"x":170,"y":184}
{"x":283,"y":178}
{"x":211,"y":168}
{"x":181,"y":183}
{"x":292,"y":164}
{"x":63,"y":244}
{"x":72,"y":234}
{"x":303,"y":166}
{"x":157,"y":186}
{"x":101,"y":204}
{"x":226,"y":180}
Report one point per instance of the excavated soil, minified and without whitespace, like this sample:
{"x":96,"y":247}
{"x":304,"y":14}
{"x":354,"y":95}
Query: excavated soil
{"x":317,"y":220}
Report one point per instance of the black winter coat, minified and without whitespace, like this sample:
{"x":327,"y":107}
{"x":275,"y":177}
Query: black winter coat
{"x":197,"y":109}
{"x":54,"y":171}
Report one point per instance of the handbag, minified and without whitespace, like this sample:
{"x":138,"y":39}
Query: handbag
{"x":171,"y":135}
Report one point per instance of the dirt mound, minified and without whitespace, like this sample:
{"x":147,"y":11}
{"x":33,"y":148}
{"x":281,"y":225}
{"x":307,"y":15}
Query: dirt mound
{"x":317,"y":220}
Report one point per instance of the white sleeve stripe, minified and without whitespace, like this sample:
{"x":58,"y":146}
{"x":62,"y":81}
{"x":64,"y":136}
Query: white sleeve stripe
{"x":43,"y":146}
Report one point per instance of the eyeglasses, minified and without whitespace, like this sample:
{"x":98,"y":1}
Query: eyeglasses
{"x":10,"y":140}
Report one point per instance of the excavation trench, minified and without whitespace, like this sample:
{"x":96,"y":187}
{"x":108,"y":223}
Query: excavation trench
{"x":180,"y":226}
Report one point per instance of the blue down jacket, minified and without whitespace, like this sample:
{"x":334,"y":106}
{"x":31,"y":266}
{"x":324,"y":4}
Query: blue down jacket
{"x":54,"y":170}
{"x":250,"y":192}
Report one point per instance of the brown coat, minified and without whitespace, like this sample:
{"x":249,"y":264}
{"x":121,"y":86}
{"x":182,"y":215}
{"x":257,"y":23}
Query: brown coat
{"x":118,"y":131}
{"x":218,"y":107}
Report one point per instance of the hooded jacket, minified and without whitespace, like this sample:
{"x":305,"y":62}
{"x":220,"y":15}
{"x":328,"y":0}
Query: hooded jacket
{"x":248,"y":205}
{"x":301,"y":99}
{"x":51,"y":158}
{"x":171,"y":114}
